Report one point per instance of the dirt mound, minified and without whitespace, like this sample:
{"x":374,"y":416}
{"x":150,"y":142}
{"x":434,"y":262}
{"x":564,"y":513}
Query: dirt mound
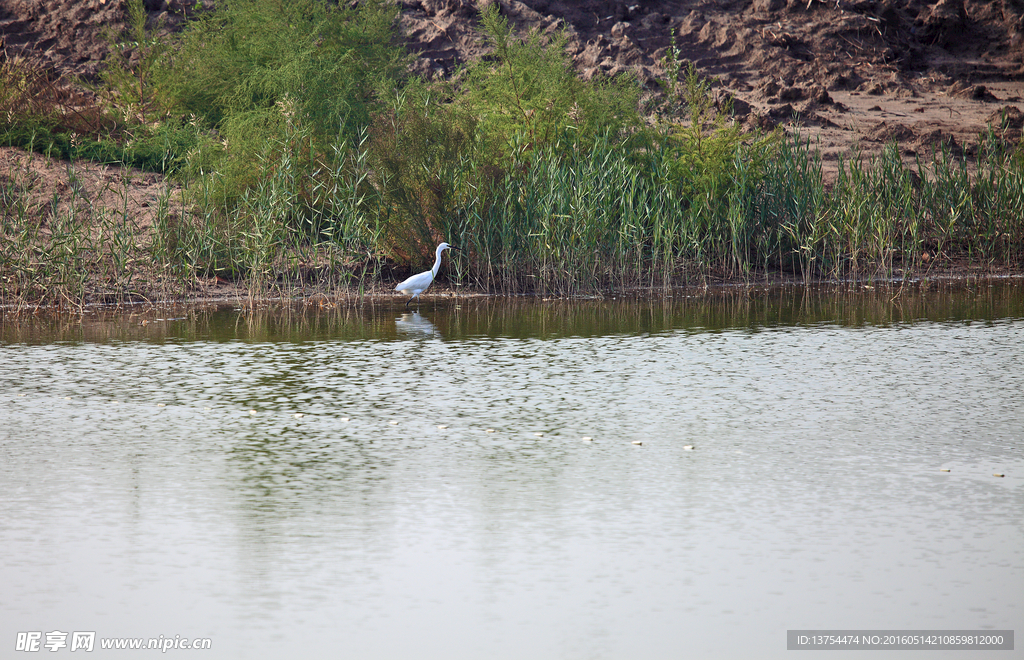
{"x":74,"y":36}
{"x":846,"y":71}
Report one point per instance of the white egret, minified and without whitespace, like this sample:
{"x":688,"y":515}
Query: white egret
{"x":417,"y":284}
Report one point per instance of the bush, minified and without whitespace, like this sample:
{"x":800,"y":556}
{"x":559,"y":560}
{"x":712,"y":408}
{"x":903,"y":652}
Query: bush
{"x":528,"y":92}
{"x":255,"y":70}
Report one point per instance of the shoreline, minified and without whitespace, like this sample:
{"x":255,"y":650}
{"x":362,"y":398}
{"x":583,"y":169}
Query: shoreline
{"x":383,"y":297}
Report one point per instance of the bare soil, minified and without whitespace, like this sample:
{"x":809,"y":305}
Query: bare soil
{"x":850,"y":74}
{"x":49,"y":186}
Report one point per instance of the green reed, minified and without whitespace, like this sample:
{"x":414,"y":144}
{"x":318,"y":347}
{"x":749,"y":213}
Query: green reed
{"x":883,"y":218}
{"x":43,"y":248}
{"x":570,"y":219}
{"x":562,"y":223}
{"x":303,"y":225}
{"x":979,"y":216}
{"x":68,"y":250}
{"x":562,"y":219}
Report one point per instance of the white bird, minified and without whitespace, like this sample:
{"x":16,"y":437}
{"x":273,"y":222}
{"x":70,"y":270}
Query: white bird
{"x":417,"y":284}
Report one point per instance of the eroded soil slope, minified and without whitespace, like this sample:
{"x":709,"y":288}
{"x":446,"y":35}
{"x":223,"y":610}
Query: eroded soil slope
{"x":849,"y":72}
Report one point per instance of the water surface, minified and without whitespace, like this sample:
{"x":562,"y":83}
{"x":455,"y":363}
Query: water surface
{"x":376,"y":482}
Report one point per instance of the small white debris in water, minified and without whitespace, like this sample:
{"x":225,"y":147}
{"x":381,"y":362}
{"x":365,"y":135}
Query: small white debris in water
{"x":161,"y":405}
{"x":441,"y":427}
{"x":21,"y":395}
{"x":252,"y":412}
{"x":688,"y":447}
{"x":344,"y":419}
{"x":943,"y":469}
{"x":67,"y":398}
{"x":638,"y":442}
{"x":393,"y":422}
{"x":489,"y":431}
{"x":298,"y":415}
{"x":539,"y":434}
{"x":587,"y":438}
{"x":998,"y":474}
{"x":207,"y":408}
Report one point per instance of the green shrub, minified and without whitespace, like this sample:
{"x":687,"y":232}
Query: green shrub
{"x":529,"y":88}
{"x":257,"y":71}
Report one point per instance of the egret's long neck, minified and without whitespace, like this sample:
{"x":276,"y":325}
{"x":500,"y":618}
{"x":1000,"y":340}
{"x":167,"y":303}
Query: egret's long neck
{"x":437,"y":262}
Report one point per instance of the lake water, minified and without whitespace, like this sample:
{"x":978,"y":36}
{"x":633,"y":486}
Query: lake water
{"x":370,"y":482}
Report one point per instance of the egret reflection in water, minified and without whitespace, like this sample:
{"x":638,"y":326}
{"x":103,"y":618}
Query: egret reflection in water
{"x":414,"y":324}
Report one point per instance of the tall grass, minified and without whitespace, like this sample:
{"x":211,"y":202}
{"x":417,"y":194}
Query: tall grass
{"x":882,"y":218}
{"x":295,"y":229}
{"x":561,"y":219}
{"x":64,"y":250}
